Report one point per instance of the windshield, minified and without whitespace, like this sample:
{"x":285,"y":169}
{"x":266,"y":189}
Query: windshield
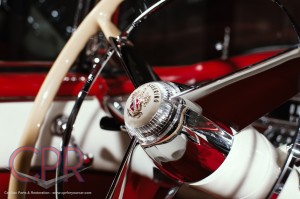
{"x":188,"y":31}
{"x":183,"y":32}
{"x":35,"y":29}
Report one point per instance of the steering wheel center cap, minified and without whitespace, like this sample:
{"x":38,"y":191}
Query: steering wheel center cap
{"x":142,"y":105}
{"x":148,"y":109}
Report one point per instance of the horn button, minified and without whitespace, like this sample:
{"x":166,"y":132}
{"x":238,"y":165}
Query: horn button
{"x":148,"y":111}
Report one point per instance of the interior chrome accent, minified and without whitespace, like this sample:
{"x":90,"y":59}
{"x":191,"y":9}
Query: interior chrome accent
{"x":164,"y":185}
{"x":173,"y":132}
{"x":67,"y":136}
{"x":293,"y":157}
{"x":58,"y":125}
{"x":116,"y":105}
{"x":148,"y":111}
{"x":58,"y":128}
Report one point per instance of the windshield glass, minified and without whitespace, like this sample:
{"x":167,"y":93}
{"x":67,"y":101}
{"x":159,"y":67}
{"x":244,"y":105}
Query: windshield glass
{"x":188,"y":31}
{"x":35,"y":29}
{"x":183,"y":32}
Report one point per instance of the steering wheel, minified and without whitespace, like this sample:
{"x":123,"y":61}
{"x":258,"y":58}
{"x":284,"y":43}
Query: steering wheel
{"x":276,"y":68}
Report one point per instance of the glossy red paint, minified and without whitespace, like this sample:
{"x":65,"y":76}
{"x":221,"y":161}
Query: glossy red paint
{"x":192,"y":74}
{"x":249,"y":59}
{"x":26,"y":85}
{"x":22,"y":86}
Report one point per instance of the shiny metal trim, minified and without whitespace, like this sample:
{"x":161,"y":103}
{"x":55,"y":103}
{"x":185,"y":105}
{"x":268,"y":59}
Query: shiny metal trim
{"x":163,"y":119}
{"x":185,"y":135}
{"x":58,"y":125}
{"x":276,"y":123}
{"x":293,"y":157}
{"x":156,"y":6}
{"x":123,"y":168}
{"x":116,"y":105}
{"x":97,"y":68}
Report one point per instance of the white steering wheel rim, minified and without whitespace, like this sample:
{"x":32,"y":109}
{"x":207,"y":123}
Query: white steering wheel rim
{"x":98,"y":18}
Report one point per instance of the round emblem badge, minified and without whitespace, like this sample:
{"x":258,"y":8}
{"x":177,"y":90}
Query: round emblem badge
{"x":139,"y":100}
{"x":142,"y":104}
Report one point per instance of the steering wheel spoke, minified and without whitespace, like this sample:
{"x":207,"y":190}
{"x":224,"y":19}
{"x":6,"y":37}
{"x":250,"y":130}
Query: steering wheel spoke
{"x":136,"y":68}
{"x":230,"y":99}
